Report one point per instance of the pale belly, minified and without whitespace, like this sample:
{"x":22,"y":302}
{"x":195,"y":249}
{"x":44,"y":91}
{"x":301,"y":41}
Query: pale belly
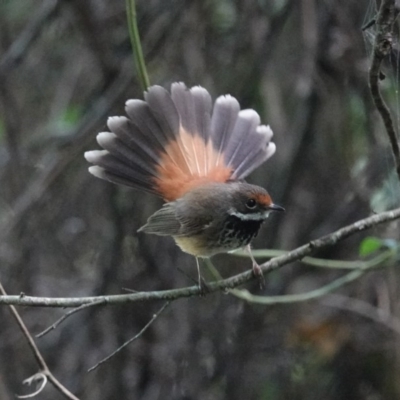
{"x":194,"y":247}
{"x":209,"y":243}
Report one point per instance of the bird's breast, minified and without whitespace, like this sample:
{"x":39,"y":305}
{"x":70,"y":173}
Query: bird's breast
{"x":238,"y":233}
{"x":232,"y":234}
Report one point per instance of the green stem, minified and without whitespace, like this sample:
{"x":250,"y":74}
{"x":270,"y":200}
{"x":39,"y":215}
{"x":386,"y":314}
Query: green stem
{"x":313,"y":294}
{"x":136,"y":44}
{"x":313,"y":261}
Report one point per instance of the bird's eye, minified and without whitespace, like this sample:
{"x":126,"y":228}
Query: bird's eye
{"x":251,"y":203}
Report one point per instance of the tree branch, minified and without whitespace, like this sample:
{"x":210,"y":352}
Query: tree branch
{"x":137,"y":336}
{"x":382,"y":47}
{"x":66,"y":315}
{"x":316,"y":293}
{"x":312,"y":261}
{"x":45,"y":371}
{"x":229,"y":283}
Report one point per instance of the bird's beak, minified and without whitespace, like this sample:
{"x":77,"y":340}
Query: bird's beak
{"x":275,"y":207}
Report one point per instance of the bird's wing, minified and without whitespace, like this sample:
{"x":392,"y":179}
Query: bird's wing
{"x":169,"y":221}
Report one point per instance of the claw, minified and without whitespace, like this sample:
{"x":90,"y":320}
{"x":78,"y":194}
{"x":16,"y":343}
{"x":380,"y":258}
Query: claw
{"x":204,"y":288}
{"x":257,"y":272}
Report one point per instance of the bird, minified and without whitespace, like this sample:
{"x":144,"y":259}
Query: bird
{"x":193,"y":154}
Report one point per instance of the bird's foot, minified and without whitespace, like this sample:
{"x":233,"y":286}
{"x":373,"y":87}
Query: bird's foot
{"x":257,"y":272}
{"x":203,"y":286}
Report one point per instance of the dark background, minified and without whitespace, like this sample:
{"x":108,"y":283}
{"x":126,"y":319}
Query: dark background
{"x":302,"y":64}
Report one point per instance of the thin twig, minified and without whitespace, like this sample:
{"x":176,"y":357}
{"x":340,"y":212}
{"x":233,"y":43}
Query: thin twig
{"x":38,"y":356}
{"x":382,"y":47}
{"x":137,"y":336}
{"x":34,"y":378}
{"x":368,"y":25}
{"x":229,"y":283}
{"x":68,"y":314}
{"x":136,"y":44}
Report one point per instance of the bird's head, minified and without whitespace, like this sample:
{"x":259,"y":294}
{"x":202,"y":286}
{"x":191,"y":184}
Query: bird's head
{"x":250,"y":202}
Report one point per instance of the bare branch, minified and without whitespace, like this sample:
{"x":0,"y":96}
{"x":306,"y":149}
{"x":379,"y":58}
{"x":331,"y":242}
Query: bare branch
{"x":321,"y":291}
{"x":39,"y":358}
{"x":382,"y":47}
{"x":312,"y":261}
{"x":229,"y":283}
{"x":40,"y":376}
{"x":137,"y":336}
{"x":68,"y":314}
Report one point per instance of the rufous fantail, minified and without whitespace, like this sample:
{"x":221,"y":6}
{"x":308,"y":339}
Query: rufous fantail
{"x":179,"y":147}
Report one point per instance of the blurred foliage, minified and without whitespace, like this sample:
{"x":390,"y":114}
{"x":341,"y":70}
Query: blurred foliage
{"x":65,"y":66}
{"x":369,"y":245}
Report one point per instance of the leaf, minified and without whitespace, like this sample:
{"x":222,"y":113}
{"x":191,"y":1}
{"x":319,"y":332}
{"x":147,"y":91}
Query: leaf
{"x":370,"y":245}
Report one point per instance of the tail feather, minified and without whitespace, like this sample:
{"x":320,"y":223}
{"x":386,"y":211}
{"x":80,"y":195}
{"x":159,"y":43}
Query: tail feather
{"x":225,"y":113}
{"x":113,"y":167}
{"x":168,"y":116}
{"x":243,"y":132}
{"x":133,"y":138}
{"x":133,"y":158}
{"x":164,"y":111}
{"x":144,"y":149}
{"x":173,"y":142}
{"x":258,"y":150}
{"x":202,"y":111}
{"x":120,"y":180}
{"x":142,"y":120}
{"x":146,"y":120}
{"x":184,"y":103}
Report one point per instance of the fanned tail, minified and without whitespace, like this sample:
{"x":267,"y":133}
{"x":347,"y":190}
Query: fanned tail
{"x":173,"y":142}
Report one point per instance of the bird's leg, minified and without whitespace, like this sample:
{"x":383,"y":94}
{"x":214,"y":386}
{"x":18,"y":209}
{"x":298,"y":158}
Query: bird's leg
{"x":257,"y":272}
{"x":198,"y":271}
{"x":202,"y":283}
